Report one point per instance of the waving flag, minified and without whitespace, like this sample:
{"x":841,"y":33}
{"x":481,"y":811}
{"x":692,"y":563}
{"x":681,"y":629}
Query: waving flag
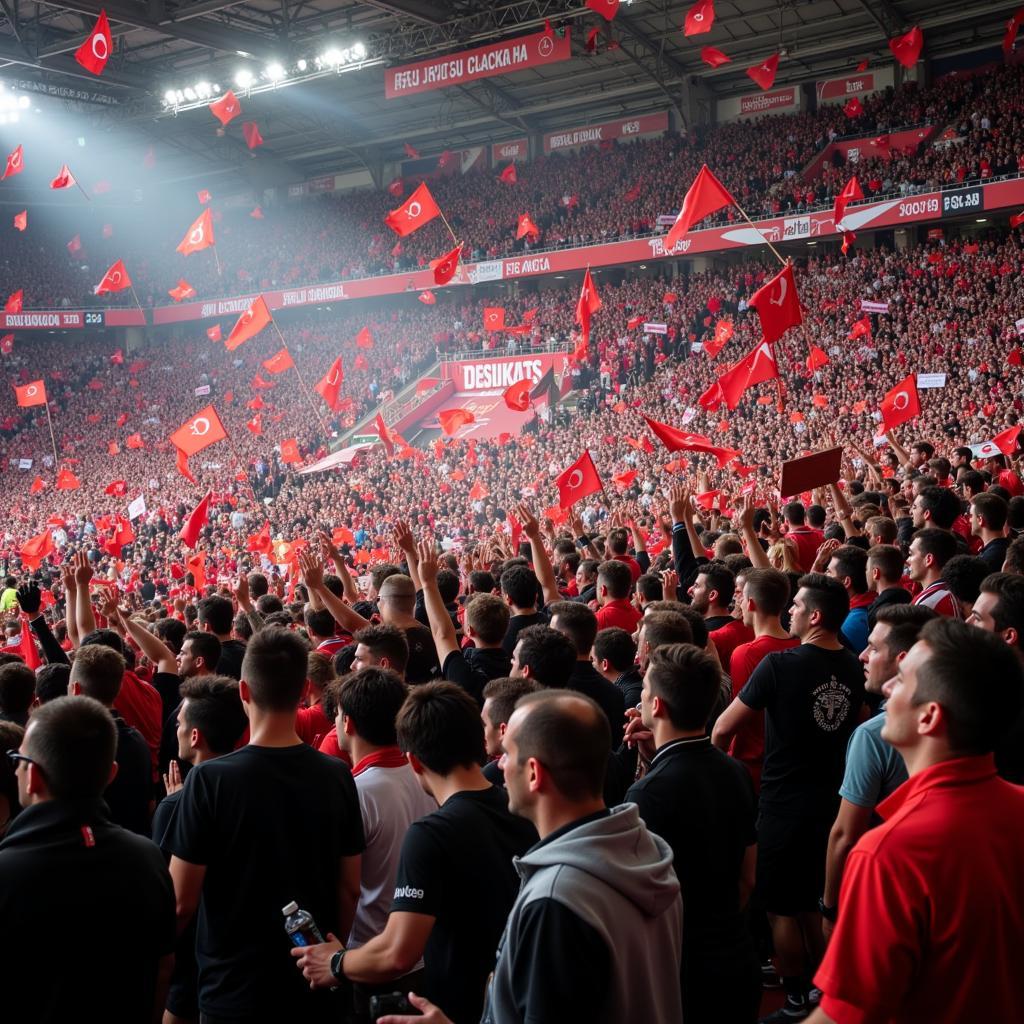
{"x":195,"y":521}
{"x":756,"y":367}
{"x":329,"y":385}
{"x":850,"y":193}
{"x":249,"y":324}
{"x":198,"y":236}
{"x":15,"y":164}
{"x":699,"y":18}
{"x":94,"y":53}
{"x":116,"y":279}
{"x":706,"y":195}
{"x":578,"y":481}
{"x":588,"y":303}
{"x":30,"y":394}
{"x":764,"y":74}
{"x":226,"y":108}
{"x":417,"y":210}
{"x":777,"y":305}
{"x":251,"y":134}
{"x":280,"y":361}
{"x":907,"y":48}
{"x":526,"y":227}
{"x":199,"y":432}
{"x":444,"y":268}
{"x":714,"y":57}
{"x":901,"y":403}
{"x":452,"y":419}
{"x":65,"y":179}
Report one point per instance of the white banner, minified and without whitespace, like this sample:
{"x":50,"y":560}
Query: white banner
{"x":137,"y":507}
{"x":24,"y":463}
{"x":931,"y":380}
{"x":203,"y":389}
{"x":874,"y":307}
{"x":655,"y":328}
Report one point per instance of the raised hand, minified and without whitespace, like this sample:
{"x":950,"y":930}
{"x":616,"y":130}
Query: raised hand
{"x":531,"y":527}
{"x":83,"y":570}
{"x":403,"y":537}
{"x":429,"y":563}
{"x":312,"y":569}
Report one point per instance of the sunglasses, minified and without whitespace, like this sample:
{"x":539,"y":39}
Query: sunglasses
{"x":14,"y":756}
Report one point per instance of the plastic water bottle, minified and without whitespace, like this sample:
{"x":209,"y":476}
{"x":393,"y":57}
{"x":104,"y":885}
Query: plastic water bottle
{"x":300,"y":926}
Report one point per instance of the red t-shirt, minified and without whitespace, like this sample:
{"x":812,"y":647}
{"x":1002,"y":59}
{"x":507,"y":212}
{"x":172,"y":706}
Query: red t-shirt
{"x":634,"y":565}
{"x":728,"y":638}
{"x":938,"y":881}
{"x":141,"y":707}
{"x":807,"y":541}
{"x":312,"y":724}
{"x":329,"y":745}
{"x":618,"y":613}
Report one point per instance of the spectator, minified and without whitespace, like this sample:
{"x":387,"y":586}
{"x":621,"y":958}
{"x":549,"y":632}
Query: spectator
{"x":17,"y":690}
{"x":614,"y":656}
{"x":930,"y":550}
{"x":544,"y":655}
{"x":848,"y":564}
{"x":884,"y":572}
{"x":500,"y":696}
{"x":216,"y":616}
{"x":988,"y":521}
{"x":613,"y":587}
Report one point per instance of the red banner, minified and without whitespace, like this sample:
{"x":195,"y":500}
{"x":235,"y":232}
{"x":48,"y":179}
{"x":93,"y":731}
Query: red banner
{"x":759,"y":102}
{"x":501,"y":373}
{"x":471,"y":65}
{"x":843,"y":88}
{"x":853,"y":149}
{"x":68,"y":320}
{"x":648,"y":124}
{"x":514,"y":149}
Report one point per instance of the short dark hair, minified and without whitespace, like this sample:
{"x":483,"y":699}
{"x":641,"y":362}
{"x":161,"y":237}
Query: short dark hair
{"x":940,"y":544}
{"x":440,"y":725}
{"x":215,"y":709}
{"x":719,"y":578}
{"x":448,"y":585}
{"x":852,"y":561}
{"x":942,"y":503}
{"x":379,"y":573}
{"x":925,"y":448}
{"x":549,"y":655}
{"x":971,"y":480}
{"x":52,"y":682}
{"x":386,"y":642}
{"x":992,"y":509}
{"x":617,"y":647}
{"x":503,"y":694}
{"x":519,"y":584}
{"x":319,"y":669}
{"x":978,"y":716}
{"x":1014,"y":559}
{"x":258,"y":585}
{"x":319,"y":621}
{"x":794,"y":512}
{"x":205,"y":646}
{"x":17,"y":688}
{"x":172,"y":632}
{"x":616,"y":576}
{"x":662,"y":628}
{"x":268,"y":604}
{"x":217,"y":613}
{"x":905,"y":622}
{"x":241,"y":626}
{"x":481,"y":581}
{"x":488,"y":615}
{"x":274,"y":669}
{"x":881,"y":526}
{"x":769,"y":589}
{"x":98,"y":670}
{"x":816,"y":516}
{"x":573,"y":747}
{"x":372,"y":698}
{"x":828,"y":597}
{"x":589,"y":567}
{"x":688,"y":681}
{"x":73,"y":741}
{"x":577,"y":622}
{"x":618,"y":541}
{"x":1008,"y":611}
{"x":104,"y":637}
{"x":696,"y":622}
{"x":889,"y":560}
{"x":963,"y":574}
{"x":649,"y":587}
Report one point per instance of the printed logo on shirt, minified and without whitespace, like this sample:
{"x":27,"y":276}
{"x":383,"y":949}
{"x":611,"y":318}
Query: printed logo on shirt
{"x":407,"y":892}
{"x":831,"y":705}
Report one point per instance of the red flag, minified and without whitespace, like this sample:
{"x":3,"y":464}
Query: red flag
{"x":118,"y":358}
{"x":907,"y":48}
{"x":578,"y":481}
{"x":226,"y":108}
{"x":75,"y":245}
{"x":360,"y":363}
{"x":861,"y":328}
{"x":901,"y":403}
{"x":31,"y":394}
{"x":260,"y":542}
{"x":756,"y":367}
{"x":280,"y":361}
{"x":65,"y":179}
{"x":116,"y":488}
{"x":21,"y":220}
{"x":15,"y":163}
{"x":198,"y":432}
{"x":706,"y":195}
{"x":452,"y":419}
{"x":195,"y":521}
{"x":255,"y":425}
{"x":36,"y":548}
{"x":256,"y":213}
{"x":121,"y":420}
{"x":1006,"y":441}
{"x":517,"y":397}
{"x":1015,"y":221}
{"x":183,"y":290}
{"x":606,"y":8}
{"x":26,"y":646}
{"x":445,"y":267}
{"x":1013,"y":359}
{"x":67,"y":481}
{"x":7,"y":344}
{"x":526,"y":227}
{"x":94,"y":53}
{"x":330,"y":384}
{"x":778,"y":305}
{"x":213,"y":333}
{"x":509,"y":176}
{"x":249,"y":324}
{"x":417,"y":210}
{"x":816,"y":359}
{"x":714,"y":57}
{"x":196,"y":564}
{"x":364,"y":339}
{"x":134,"y":441}
{"x":848,"y":239}
{"x":634,"y":322}
{"x":427,"y":298}
{"x":14,"y":302}
{"x":37,"y":485}
{"x":411,"y":152}
{"x":699,"y":18}
{"x":116,"y":279}
{"x":396,"y":187}
{"x":851,"y":192}
{"x":588,"y":303}
{"x":623,"y":480}
{"x":1012,"y":28}
{"x":863,"y":65}
{"x":723,"y":332}
{"x":198,"y":236}
{"x":494,"y":318}
{"x":385,"y":435}
{"x":764,"y":74}
{"x":290,"y":452}
{"x":251,"y":133}
{"x":853,"y":107}
{"x":181,"y":464}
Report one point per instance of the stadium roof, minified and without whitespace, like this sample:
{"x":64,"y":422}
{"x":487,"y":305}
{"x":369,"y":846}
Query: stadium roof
{"x":342,"y":121}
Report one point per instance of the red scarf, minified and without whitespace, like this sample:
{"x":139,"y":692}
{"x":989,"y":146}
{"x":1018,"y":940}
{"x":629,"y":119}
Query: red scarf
{"x":386,"y":757}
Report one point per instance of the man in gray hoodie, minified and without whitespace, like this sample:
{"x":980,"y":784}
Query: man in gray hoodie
{"x":595,"y":933}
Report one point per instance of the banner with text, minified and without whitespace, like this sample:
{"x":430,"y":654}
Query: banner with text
{"x":514,"y":149}
{"x":502,"y":373}
{"x":844,"y":88}
{"x":631,"y":128}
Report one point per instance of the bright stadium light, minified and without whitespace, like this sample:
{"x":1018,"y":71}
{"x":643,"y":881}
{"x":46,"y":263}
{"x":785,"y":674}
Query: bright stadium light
{"x":244,"y":78}
{"x":274,"y":72}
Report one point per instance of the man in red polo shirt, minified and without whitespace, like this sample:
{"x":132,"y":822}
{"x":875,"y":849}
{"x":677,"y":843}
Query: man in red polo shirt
{"x":614,"y":583}
{"x":806,"y":538}
{"x":930,"y":914}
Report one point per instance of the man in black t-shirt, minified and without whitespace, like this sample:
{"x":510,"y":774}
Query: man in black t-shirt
{"x":456,"y":880}
{"x":216,"y":615}
{"x":811,"y":696}
{"x":500,"y":696}
{"x":268,"y":824}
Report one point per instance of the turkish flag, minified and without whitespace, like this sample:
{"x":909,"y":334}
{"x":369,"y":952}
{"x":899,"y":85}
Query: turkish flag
{"x":198,"y":432}
{"x":75,"y":245}
{"x":226,"y":108}
{"x":21,"y":220}
{"x":65,"y":179}
{"x":851,"y":192}
{"x":260,"y":542}
{"x":181,"y":464}
{"x":861,"y":328}
{"x":1015,"y":221}
{"x":118,"y":358}
{"x":586,"y":305}
{"x":213,"y":333}
{"x":364,"y":339}
{"x":37,"y":485}
{"x":723,"y":332}
{"x":848,"y":239}
{"x":134,"y":441}
{"x":417,"y":210}
{"x":15,"y":163}
{"x":853,"y":107}
{"x":578,"y":481}
{"x":195,"y":521}
{"x":445,"y":267}
{"x":452,"y":419}
{"x":116,"y":279}
{"x":116,"y":488}
{"x":509,"y":176}
{"x":427,"y":298}
{"x":249,"y":324}
{"x":251,"y":133}
{"x":634,"y":322}
{"x":1012,"y":28}
{"x":7,"y":344}
{"x":198,"y":236}
{"x":764,"y":74}
{"x":67,"y":481}
{"x":386,"y":437}
{"x":31,"y":394}
{"x":255,"y":425}
{"x":36,"y":548}
{"x":901,"y":403}
{"x":714,"y":57}
{"x":816,"y":359}
{"x":706,"y":195}
{"x":494,"y":318}
{"x":526,"y":227}
{"x":517,"y":397}
{"x":1006,"y":441}
{"x":183,"y":290}
{"x":778,"y":305}
{"x":330,"y":383}
{"x":699,"y":18}
{"x":606,"y":8}
{"x":410,"y":151}
{"x":756,"y":367}
{"x":907,"y":48}
{"x":290,"y":452}
{"x":396,"y":187}
{"x":113,"y":448}
{"x":94,"y":53}
{"x":280,"y":361}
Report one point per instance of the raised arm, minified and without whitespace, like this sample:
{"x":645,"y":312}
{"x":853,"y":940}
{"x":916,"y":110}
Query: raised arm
{"x":541,"y":562}
{"x":245,"y":605}
{"x":151,"y":645}
{"x":84,"y":617}
{"x":757,"y":555}
{"x":407,"y":545}
{"x":330,"y":551}
{"x":576,"y":525}
{"x":441,"y":627}
{"x":313,"y":573}
{"x":29,"y":599}
{"x":844,"y":512}
{"x":67,"y":576}
{"x":899,"y":451}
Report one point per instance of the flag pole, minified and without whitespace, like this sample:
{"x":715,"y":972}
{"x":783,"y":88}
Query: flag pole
{"x":53,"y":440}
{"x":137,"y":303}
{"x":447,"y":225}
{"x":743,"y":214}
{"x":309,"y":397}
{"x":217,"y":258}
{"x":78,"y":185}
{"x":238,"y":459}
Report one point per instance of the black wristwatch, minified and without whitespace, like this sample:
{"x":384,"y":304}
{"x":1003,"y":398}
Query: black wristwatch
{"x":827,"y":912}
{"x":336,"y":968}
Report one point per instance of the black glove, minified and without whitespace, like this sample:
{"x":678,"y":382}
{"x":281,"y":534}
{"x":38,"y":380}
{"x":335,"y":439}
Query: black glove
{"x":29,"y":598}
